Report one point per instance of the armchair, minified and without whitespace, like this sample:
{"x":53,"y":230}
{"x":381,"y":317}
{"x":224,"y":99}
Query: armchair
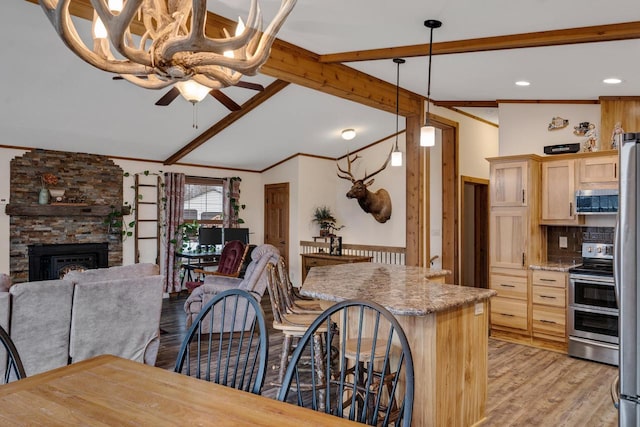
{"x":254,"y":281}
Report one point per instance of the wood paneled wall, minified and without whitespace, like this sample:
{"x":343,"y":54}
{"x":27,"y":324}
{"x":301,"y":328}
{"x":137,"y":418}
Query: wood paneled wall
{"x":614,"y":109}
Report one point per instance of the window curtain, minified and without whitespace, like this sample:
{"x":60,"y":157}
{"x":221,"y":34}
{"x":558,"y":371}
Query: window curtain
{"x":230,"y":201}
{"x":174,"y":212}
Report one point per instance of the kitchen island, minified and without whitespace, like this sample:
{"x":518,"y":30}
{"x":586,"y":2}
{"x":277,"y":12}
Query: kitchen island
{"x":446,"y":325}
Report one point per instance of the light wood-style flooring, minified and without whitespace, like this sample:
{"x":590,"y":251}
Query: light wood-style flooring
{"x":527,"y":386}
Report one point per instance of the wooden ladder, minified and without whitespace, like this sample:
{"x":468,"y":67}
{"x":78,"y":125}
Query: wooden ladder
{"x":147,"y":219}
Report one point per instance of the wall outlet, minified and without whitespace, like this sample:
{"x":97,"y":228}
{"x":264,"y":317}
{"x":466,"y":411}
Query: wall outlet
{"x":479,"y":308}
{"x":563,"y":242}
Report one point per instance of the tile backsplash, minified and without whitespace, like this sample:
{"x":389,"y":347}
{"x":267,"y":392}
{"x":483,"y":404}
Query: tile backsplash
{"x":575,"y":237}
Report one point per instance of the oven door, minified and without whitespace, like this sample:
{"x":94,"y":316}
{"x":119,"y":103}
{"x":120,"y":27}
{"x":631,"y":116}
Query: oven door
{"x":590,"y":292}
{"x":594,"y":324}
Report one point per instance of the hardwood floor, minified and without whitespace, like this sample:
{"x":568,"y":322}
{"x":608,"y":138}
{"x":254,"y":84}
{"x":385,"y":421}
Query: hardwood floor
{"x":527,"y":386}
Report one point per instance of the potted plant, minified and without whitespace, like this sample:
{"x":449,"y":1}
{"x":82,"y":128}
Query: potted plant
{"x":324,"y":218}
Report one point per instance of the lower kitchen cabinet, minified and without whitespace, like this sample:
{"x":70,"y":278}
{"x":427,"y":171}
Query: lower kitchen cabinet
{"x":509,"y":313}
{"x":549,"y":306}
{"x":510,"y":307}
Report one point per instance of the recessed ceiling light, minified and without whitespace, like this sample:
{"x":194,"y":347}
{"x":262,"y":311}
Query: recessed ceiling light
{"x":348,"y":134}
{"x":522,"y":83}
{"x":612,"y":81}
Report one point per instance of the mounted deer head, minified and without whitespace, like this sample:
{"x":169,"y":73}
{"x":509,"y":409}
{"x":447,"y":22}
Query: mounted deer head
{"x":377,"y":204}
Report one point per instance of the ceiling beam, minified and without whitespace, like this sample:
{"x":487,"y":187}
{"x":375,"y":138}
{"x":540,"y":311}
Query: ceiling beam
{"x":227,"y":121}
{"x":296,"y":65}
{"x":593,"y":34}
{"x":483,"y":104}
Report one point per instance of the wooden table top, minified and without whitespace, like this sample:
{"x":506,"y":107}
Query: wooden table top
{"x":108,"y":390}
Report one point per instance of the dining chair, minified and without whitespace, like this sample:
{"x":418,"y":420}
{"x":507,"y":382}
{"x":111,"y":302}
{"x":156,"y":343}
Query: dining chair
{"x":234,"y":351}
{"x":13,"y":369}
{"x":372,"y":380}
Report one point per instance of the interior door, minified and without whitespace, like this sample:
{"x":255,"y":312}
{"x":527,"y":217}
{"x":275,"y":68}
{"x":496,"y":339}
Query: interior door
{"x":276,"y":217}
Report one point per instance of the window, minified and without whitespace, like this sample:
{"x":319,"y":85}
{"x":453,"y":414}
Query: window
{"x":203,"y":200}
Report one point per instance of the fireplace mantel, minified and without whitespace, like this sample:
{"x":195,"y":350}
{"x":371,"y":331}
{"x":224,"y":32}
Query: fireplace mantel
{"x":61,"y":210}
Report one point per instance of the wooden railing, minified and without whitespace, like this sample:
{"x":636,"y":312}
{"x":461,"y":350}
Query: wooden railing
{"x":380,"y":254}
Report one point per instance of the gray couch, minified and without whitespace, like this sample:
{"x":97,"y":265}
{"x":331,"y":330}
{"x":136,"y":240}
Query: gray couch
{"x":112,"y":310}
{"x":254,"y":281}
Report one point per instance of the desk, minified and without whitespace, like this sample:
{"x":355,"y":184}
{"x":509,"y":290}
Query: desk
{"x":196,"y":260}
{"x":108,"y":390}
{"x":446,"y":326}
{"x":318,"y":259}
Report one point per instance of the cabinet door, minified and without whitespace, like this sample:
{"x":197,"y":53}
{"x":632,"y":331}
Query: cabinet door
{"x":508,"y":237}
{"x":558,"y":191}
{"x":598,"y":172}
{"x":509,"y":183}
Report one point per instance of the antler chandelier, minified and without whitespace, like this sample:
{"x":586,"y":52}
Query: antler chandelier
{"x":173,"y":46}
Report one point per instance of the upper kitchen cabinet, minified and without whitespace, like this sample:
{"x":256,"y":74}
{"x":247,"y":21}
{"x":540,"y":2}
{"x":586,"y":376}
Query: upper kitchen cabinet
{"x":509,"y":183}
{"x":558,"y":193}
{"x":598,"y":172}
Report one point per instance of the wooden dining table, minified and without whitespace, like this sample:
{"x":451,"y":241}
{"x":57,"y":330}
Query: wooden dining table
{"x":111,"y":391}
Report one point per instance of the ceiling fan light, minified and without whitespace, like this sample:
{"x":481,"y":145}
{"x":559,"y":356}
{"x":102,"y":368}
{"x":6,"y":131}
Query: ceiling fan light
{"x":192,"y":91}
{"x":427,"y":136}
{"x":348,"y":134}
{"x":396,"y":158}
{"x":115,"y":5}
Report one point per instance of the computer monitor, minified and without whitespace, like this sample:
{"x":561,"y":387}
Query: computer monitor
{"x":210,"y":236}
{"x":241,"y":234}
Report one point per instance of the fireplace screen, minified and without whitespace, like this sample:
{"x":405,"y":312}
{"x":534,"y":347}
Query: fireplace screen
{"x":49,"y":262}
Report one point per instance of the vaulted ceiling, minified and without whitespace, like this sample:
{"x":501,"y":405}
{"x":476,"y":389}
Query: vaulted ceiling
{"x":51,"y":99}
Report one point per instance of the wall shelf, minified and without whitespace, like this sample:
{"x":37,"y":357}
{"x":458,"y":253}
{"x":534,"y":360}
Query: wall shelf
{"x":61,"y":210}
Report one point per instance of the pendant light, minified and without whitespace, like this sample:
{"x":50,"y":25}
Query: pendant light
{"x":428,"y":132}
{"x":396,"y":155}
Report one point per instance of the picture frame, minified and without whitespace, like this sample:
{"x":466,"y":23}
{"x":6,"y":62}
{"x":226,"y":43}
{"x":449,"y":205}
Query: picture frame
{"x":335,"y":246}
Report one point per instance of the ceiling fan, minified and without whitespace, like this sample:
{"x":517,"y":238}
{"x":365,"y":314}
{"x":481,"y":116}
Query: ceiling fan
{"x":173,"y":93}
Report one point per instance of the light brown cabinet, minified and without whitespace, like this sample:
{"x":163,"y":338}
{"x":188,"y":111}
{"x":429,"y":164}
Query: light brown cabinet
{"x":508,"y":237}
{"x":558,"y":192}
{"x":509,"y":183}
{"x":598,"y":172}
{"x":549,"y":305}
{"x":509,"y":308}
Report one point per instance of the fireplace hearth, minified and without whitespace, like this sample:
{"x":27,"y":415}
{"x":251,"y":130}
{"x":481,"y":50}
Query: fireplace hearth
{"x":49,"y":262}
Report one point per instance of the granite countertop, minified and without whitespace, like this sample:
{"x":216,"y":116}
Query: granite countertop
{"x":400,"y":289}
{"x":435,"y":272}
{"x":562,"y":267}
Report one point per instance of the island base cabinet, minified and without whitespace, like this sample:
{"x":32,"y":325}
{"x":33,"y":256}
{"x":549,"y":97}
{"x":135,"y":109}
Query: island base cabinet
{"x":509,"y":313}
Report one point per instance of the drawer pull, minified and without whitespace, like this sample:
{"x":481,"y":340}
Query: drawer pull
{"x":547,"y":321}
{"x":547,"y":280}
{"x":504,"y":285}
{"x":508,"y":315}
{"x":547,"y":296}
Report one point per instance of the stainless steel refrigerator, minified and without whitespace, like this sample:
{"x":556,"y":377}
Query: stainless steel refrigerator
{"x":627,"y":278}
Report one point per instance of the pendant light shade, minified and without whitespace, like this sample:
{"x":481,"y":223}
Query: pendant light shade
{"x":427,"y":136}
{"x":428,"y":132}
{"x":396,"y":155}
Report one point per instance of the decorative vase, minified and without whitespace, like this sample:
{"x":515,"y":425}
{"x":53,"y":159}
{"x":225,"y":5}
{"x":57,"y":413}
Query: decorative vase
{"x":43,"y":196}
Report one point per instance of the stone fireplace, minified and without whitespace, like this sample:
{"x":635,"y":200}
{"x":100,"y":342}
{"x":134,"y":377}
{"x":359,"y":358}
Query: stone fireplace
{"x":48,"y":262}
{"x":93,"y":179}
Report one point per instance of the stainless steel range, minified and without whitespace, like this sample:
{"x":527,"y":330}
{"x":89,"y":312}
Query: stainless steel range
{"x":593,"y":310}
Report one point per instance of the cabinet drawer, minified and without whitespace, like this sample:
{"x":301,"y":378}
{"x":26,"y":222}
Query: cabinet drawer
{"x":549,"y":320}
{"x":509,"y":286}
{"x":315,"y":262}
{"x":509,"y":312}
{"x":549,"y":278}
{"x":548,"y":295}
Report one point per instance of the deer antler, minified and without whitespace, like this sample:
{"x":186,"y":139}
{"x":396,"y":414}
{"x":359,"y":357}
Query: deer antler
{"x":381,"y":169}
{"x":348,"y":171}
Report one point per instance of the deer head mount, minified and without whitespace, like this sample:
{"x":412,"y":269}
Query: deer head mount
{"x":377,"y":204}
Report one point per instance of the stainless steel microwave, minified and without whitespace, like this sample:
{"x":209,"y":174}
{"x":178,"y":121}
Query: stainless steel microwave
{"x":589,"y":202}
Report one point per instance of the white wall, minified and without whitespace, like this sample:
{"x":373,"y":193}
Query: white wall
{"x":524,"y":127}
{"x":5,"y":157}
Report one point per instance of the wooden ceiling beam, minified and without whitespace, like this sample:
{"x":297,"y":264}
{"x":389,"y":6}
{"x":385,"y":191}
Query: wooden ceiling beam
{"x":227,"y":121}
{"x":593,"y":34}
{"x":296,"y":65}
{"x":483,"y":104}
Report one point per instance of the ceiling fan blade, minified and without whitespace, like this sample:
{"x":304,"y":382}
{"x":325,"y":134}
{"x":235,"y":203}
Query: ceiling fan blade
{"x":225,"y":100}
{"x":249,"y":85}
{"x":168,"y":97}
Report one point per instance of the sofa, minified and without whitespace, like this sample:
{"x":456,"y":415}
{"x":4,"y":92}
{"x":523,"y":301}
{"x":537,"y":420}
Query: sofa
{"x":103,"y":311}
{"x":254,"y":281}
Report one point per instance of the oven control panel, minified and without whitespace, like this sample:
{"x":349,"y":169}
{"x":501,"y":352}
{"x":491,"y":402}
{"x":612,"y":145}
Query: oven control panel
{"x":597,"y":250}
